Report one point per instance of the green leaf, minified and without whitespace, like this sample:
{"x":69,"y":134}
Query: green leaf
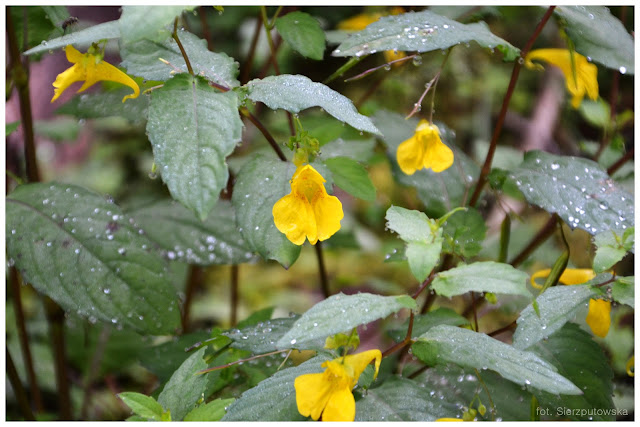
{"x":349,"y":175}
{"x":256,"y":317}
{"x":357,"y":149}
{"x":577,"y":189}
{"x":107,"y":104}
{"x":597,"y":113}
{"x":164,"y":359}
{"x":423,"y":322}
{"x":59,"y":129}
{"x":599,"y":35}
{"x":622,"y":290}
{"x":262,"y":337}
{"x":57,"y":15}
{"x":142,"y":405}
{"x":464,"y":232}
{"x":82,"y":251}
{"x":141,"y":58}
{"x":185,"y":387}
{"x":212,"y":411}
{"x":400,"y":399}
{"x":11,"y":127}
{"x":185,"y":238}
{"x":581,"y":360}
{"x":303,"y":33}
{"x":295,"y":93}
{"x":259,"y":185}
{"x":274,"y":399}
{"x":148,"y":22}
{"x":485,"y":276}
{"x":422,"y":32}
{"x":439,"y":192}
{"x":422,"y":236}
{"x":340,"y":313}
{"x":38,"y":24}
{"x":81,"y":38}
{"x":190,"y":152}
{"x":475,"y":350}
{"x":557,"y":305}
{"x":611,"y":248}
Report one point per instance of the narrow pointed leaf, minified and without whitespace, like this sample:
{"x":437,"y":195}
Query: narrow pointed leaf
{"x":476,"y":350}
{"x":295,"y":93}
{"x":82,"y":251}
{"x":485,"y":276}
{"x":422,"y":32}
{"x":148,"y":22}
{"x":340,"y":313}
{"x":191,"y":152}
{"x":142,"y":405}
{"x":80,"y":38}
{"x":352,"y":177}
{"x":303,"y":33}
{"x":185,"y":387}
{"x":260,"y":184}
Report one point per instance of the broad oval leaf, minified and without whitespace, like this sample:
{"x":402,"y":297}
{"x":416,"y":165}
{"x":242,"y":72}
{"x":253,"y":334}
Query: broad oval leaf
{"x":142,"y":405}
{"x":191,"y":152}
{"x":557,"y":305}
{"x":148,"y":22}
{"x":577,"y":189}
{"x":303,"y":33}
{"x":106,"y":30}
{"x":185,"y":238}
{"x":82,"y":251}
{"x":340,"y":313}
{"x":439,"y":192}
{"x":599,"y":35}
{"x":262,"y":337}
{"x":107,"y":104}
{"x":464,"y":232}
{"x":274,"y":399}
{"x":422,"y":32}
{"x":623,"y":290}
{"x":260,"y":184}
{"x":476,"y":350}
{"x":142,"y":58}
{"x":581,"y":360}
{"x":485,"y":276}
{"x":295,"y":93}
{"x":352,"y":177}
{"x":611,"y":248}
{"x":185,"y":387}
{"x":400,"y":399}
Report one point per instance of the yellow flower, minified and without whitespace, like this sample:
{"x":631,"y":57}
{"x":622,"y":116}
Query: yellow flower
{"x":91,"y":69}
{"x":599,"y":315}
{"x":308,"y":211}
{"x":424,"y":150}
{"x":581,"y":78}
{"x":449,"y":419}
{"x":392,"y":55}
{"x":329,"y":393}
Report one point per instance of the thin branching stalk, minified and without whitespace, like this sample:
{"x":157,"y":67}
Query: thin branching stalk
{"x":322,"y":271}
{"x":252,"y":51}
{"x":253,"y":119}
{"x":18,"y":390}
{"x":486,"y":167}
{"x":179,"y":43}
{"x":235,"y":269}
{"x":624,"y":159}
{"x":545,"y":232}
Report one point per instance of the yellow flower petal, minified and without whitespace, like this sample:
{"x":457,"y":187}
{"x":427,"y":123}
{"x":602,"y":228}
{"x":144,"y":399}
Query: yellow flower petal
{"x":90,"y":69}
{"x":599,"y":317}
{"x":294,"y":217}
{"x":449,"y":419}
{"x":570,"y":276}
{"x":340,"y":407}
{"x":424,"y":149}
{"x":308,"y":212}
{"x":583,"y":81}
{"x":358,"y":362}
{"x":358,"y":22}
{"x":312,"y":394}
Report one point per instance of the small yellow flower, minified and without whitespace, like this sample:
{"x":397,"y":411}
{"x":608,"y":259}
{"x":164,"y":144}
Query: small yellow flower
{"x":329,"y":393}
{"x":449,"y":419}
{"x":599,"y":315}
{"x":630,"y":367}
{"x":580,"y":79}
{"x":91,"y":69}
{"x":424,"y":150}
{"x":308,"y":211}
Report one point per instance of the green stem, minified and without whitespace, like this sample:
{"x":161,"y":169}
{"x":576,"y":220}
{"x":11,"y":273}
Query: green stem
{"x":505,"y":235}
{"x":486,"y":168}
{"x":179,"y":43}
{"x":486,"y":389}
{"x":322,"y":272}
{"x":24,"y":339}
{"x":14,"y":379}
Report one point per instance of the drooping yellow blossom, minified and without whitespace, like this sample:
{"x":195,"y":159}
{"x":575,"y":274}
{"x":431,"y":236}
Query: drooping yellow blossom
{"x":424,"y":149}
{"x":599,"y":315}
{"x":449,"y":419}
{"x":581,"y":78}
{"x":630,"y":367}
{"x":329,"y":393}
{"x":91,"y":69}
{"x":308,"y":212}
